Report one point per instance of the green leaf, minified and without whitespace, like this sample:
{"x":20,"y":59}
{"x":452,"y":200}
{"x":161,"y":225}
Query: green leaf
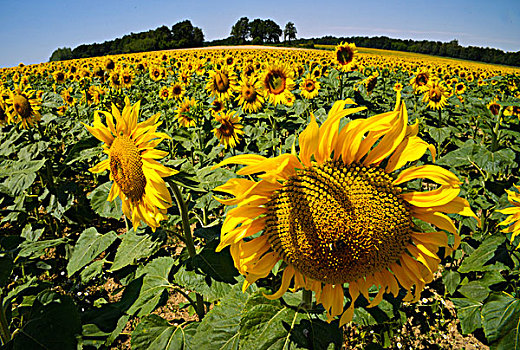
{"x":451,"y":280}
{"x":219,"y":328}
{"x":136,"y":245}
{"x":197,"y":282}
{"x":155,"y":282}
{"x":219,"y":266}
{"x":154,"y":332}
{"x":468,"y":312}
{"x":54,"y":323}
{"x":92,"y":271}
{"x":501,"y":321}
{"x":20,"y":175}
{"x":478,"y":259}
{"x":31,"y":235}
{"x":439,"y":134}
{"x":474,"y":290}
{"x":89,"y":245}
{"x":6,"y":267}
{"x":104,"y":208}
{"x":30,"y":249}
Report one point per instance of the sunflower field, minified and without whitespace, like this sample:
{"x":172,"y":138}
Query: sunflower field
{"x":260,"y":198}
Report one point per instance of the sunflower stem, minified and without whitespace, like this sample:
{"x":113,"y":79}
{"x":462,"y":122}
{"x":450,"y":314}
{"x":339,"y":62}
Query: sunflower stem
{"x":183,"y":209}
{"x":306,"y":303}
{"x":439,"y":120}
{"x":5,"y":334}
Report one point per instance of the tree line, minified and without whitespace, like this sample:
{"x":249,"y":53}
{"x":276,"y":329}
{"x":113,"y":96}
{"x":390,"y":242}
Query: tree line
{"x":260,"y":31}
{"x":181,"y":35}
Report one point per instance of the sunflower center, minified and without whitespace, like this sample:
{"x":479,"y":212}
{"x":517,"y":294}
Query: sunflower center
{"x":221,"y":82}
{"x":422,"y":79}
{"x":435,"y":95}
{"x":275,"y":82}
{"x":249,"y":93}
{"x":177,"y":90}
{"x":345,"y":55}
{"x":22,"y":106}
{"x":309,"y":86}
{"x":336,"y":223}
{"x":226,"y":129}
{"x":126,"y":167}
{"x":494,"y":108}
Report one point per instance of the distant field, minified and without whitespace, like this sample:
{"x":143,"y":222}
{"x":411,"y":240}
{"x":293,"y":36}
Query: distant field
{"x":381,"y":52}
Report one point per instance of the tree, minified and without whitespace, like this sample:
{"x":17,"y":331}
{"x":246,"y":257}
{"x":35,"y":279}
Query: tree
{"x":61,"y":54}
{"x":198,"y":37}
{"x":257,"y":30}
{"x":273,"y":31}
{"x":241,"y":30}
{"x":289,"y":32}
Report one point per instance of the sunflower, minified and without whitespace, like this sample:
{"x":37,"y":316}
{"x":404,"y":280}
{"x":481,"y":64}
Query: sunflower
{"x":420,"y":80}
{"x":59,"y":76}
{"x":229,"y":129}
{"x":221,"y":83}
{"x":512,"y":110}
{"x":127,"y":77}
{"x":277,"y":79}
{"x":132,"y":163}
{"x":512,"y":222}
{"x":338,"y":213}
{"x":346,"y":56}
{"x":460,"y":88}
{"x":250,"y":94}
{"x":109,"y":64}
{"x":22,"y":107}
{"x":309,"y":87}
{"x":4,"y":117}
{"x":115,"y":79}
{"x":156,"y":73}
{"x":398,"y":87}
{"x":184,"y":113}
{"x":177,"y":91}
{"x":164,"y":93}
{"x":216,"y":106}
{"x":494,"y":107}
{"x":66,"y":95}
{"x":435,"y":94}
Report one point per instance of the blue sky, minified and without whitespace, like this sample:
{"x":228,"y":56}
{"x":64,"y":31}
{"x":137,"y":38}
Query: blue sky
{"x":31,"y":30}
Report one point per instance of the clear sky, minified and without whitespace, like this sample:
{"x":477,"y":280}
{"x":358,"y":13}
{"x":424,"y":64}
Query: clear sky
{"x":31,"y":30}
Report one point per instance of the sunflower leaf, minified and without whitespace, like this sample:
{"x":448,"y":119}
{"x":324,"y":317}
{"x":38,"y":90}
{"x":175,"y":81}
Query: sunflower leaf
{"x":135,"y":246}
{"x":104,"y":208}
{"x":154,"y":332}
{"x":501,"y":321}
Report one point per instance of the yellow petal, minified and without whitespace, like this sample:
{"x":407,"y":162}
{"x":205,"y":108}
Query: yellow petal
{"x":101,"y":166}
{"x":429,"y":171}
{"x":440,"y":196}
{"x":309,"y":140}
{"x":244,"y":159}
{"x":288,"y":274}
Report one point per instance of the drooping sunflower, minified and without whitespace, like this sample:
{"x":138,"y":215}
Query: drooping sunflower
{"x":309,"y":87}
{"x":229,"y":130}
{"x":137,"y":175}
{"x":345,"y":56}
{"x":221,"y":83}
{"x":494,"y":107}
{"x":183,"y":113}
{"x":59,"y":76}
{"x":66,"y":95}
{"x":250,"y":94}
{"x":115,"y":79}
{"x":22,"y":107}
{"x":339,"y":212}
{"x":435,"y":94}
{"x":276,"y":80}
{"x":4,"y":117}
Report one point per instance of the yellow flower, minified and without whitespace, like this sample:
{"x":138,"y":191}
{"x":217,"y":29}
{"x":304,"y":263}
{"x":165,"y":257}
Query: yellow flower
{"x":346,"y":56}
{"x":338,"y":212}
{"x":513,"y":220}
{"x":183,"y":113}
{"x":221,"y":83}
{"x":420,"y":80}
{"x":435,"y":94}
{"x":137,"y":175}
{"x":250,"y":94}
{"x":229,"y":129}
{"x":22,"y":107}
{"x":276,"y":81}
{"x":66,"y":95}
{"x":309,"y":87}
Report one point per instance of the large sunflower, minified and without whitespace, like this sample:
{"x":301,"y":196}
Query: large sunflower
{"x":136,"y":173}
{"x":221,"y":83}
{"x":22,"y":107}
{"x":229,"y":130}
{"x":276,"y":81}
{"x":346,"y":56}
{"x":250,"y":94}
{"x":184,"y":113}
{"x":435,"y":94}
{"x":339,"y":213}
